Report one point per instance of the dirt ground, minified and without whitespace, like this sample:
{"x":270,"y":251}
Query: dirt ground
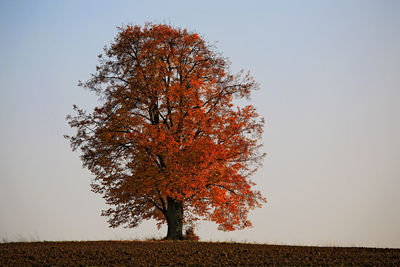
{"x":186,"y":253}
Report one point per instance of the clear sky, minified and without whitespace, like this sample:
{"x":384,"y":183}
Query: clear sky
{"x":330,"y":93}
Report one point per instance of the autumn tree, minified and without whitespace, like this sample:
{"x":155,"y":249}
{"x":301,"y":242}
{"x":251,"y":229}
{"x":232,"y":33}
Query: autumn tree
{"x":166,"y":141}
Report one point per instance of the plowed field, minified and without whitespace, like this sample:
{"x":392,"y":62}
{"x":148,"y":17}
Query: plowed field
{"x":181,"y":253}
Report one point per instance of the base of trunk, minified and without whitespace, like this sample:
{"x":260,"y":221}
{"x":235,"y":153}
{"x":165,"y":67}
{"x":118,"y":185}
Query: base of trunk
{"x":174,"y":219}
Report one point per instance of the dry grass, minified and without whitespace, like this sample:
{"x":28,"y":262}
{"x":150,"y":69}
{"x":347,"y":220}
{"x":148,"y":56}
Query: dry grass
{"x":183,"y":253}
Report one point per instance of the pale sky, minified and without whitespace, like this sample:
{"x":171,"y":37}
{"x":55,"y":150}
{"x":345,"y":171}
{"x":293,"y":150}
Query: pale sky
{"x":330,"y":94}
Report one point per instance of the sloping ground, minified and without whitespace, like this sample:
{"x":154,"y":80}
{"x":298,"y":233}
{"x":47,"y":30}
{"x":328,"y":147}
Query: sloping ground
{"x":138,"y":253}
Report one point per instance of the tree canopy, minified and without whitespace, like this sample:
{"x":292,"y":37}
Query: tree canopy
{"x":166,"y":141}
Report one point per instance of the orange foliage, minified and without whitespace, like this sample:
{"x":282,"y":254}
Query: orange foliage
{"x":167,"y":126}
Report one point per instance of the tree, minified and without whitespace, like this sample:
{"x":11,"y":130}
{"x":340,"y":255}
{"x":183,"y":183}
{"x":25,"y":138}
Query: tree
{"x":167,"y":142}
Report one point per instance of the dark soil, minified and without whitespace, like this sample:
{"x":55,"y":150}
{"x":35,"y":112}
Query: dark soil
{"x":183,"y":253}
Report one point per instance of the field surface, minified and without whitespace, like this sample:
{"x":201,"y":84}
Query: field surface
{"x":181,"y":253}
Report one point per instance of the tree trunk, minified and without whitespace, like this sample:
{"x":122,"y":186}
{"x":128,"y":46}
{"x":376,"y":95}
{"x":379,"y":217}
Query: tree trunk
{"x":174,"y":219}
